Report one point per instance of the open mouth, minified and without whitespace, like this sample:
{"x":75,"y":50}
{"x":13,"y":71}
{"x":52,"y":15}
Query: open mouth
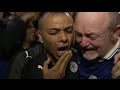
{"x":33,"y":34}
{"x":62,"y":50}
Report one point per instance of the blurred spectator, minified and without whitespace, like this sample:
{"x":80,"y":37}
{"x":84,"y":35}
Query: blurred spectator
{"x":11,"y":37}
{"x":30,"y":37}
{"x":4,"y":20}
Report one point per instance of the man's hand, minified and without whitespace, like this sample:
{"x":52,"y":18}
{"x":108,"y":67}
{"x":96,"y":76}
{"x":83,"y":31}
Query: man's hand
{"x":58,"y":70}
{"x":29,"y":16}
{"x":116,"y":67}
{"x":18,"y":13}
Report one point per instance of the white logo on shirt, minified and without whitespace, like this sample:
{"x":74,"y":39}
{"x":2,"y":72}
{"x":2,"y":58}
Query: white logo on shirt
{"x":39,"y":66}
{"x":73,"y":67}
{"x":92,"y":77}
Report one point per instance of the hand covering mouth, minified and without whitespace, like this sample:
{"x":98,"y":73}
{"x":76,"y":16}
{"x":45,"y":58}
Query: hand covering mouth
{"x":61,"y":50}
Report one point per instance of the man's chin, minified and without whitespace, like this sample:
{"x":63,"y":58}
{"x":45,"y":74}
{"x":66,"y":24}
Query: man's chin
{"x":90,"y":57}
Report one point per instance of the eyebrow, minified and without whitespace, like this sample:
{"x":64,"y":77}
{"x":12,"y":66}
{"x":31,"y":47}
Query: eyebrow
{"x":68,"y":27}
{"x":90,"y":33}
{"x":57,"y":29}
{"x":77,"y":32}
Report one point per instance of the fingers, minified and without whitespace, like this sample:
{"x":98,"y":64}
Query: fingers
{"x":62,"y":58}
{"x":116,"y":66}
{"x":116,"y":62}
{"x":64,"y":65}
{"x":31,"y":16}
{"x":116,"y":74}
{"x":66,"y":61}
{"x":116,"y":70}
{"x":57,"y":71}
{"x":45,"y":66}
{"x":116,"y":58}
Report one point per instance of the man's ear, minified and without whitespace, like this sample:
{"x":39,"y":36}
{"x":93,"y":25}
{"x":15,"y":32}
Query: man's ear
{"x":39,"y":37}
{"x":117,"y":31}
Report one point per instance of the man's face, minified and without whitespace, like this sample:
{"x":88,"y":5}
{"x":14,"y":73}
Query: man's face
{"x":92,"y":35}
{"x":57,"y":34}
{"x":31,"y":35}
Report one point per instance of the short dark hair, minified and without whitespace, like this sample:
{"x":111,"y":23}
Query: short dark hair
{"x":42,"y":14}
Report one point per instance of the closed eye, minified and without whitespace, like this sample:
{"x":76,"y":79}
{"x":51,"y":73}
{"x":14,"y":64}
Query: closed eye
{"x":54,"y":31}
{"x":93,"y":37}
{"x":69,"y":30}
{"x":78,"y":34}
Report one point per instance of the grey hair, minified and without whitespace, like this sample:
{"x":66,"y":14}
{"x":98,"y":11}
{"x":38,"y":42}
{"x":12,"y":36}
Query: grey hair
{"x":114,"y":20}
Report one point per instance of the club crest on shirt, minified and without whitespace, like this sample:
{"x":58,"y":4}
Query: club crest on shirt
{"x":73,"y":67}
{"x":92,"y":77}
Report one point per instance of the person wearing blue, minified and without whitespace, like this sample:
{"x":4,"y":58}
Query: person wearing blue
{"x":49,"y":60}
{"x":96,"y":36}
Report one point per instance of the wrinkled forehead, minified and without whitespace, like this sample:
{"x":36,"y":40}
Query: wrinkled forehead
{"x":92,"y":20}
{"x":92,"y":16}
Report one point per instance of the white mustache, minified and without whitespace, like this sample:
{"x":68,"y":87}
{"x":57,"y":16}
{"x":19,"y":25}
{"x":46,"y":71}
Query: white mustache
{"x":90,"y":47}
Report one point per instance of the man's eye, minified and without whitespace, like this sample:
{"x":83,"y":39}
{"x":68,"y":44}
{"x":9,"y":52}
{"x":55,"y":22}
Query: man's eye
{"x":93,"y":37}
{"x":69,"y":30}
{"x":78,"y":34}
{"x":53,"y":33}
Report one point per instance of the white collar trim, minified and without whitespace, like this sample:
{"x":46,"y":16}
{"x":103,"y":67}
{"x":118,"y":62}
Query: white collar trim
{"x":113,"y":50}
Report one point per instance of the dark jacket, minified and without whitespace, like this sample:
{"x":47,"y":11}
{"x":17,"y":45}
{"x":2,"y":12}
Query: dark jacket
{"x":11,"y":36}
{"x":26,"y":65}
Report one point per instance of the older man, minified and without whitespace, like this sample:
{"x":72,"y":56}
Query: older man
{"x":96,"y":35}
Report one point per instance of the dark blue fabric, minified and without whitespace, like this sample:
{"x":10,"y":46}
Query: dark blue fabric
{"x":3,"y":68}
{"x":95,"y":69}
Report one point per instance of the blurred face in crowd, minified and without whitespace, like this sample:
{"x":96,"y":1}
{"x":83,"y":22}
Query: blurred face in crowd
{"x":31,"y":35}
{"x":93,"y":34}
{"x":57,"y":33}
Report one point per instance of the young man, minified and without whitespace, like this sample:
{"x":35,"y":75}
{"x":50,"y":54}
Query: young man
{"x":53,"y":58}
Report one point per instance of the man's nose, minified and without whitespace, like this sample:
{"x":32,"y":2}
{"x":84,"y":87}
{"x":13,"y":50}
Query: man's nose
{"x":84,"y":42}
{"x":63,"y":37}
